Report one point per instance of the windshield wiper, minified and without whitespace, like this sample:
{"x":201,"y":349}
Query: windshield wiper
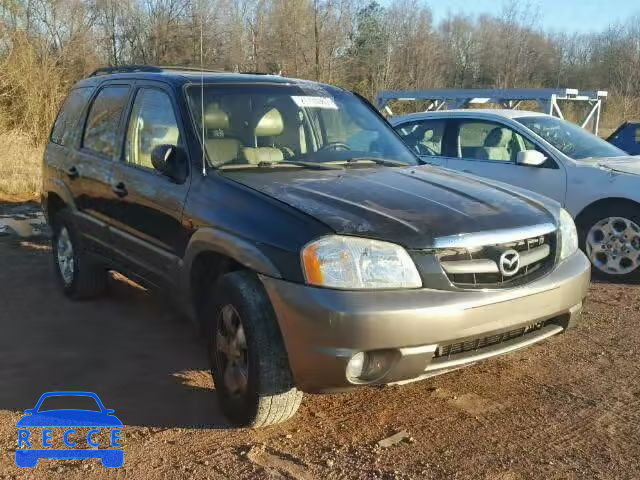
{"x":287,"y":163}
{"x":379,"y":161}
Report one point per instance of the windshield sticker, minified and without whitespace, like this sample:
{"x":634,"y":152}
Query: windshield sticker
{"x":314,"y":102}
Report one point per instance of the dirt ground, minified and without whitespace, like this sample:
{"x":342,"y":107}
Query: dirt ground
{"x":566,"y":409}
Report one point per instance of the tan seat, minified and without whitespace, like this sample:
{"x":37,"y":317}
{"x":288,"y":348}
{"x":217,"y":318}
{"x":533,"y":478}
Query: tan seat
{"x":220,"y":148}
{"x":496,"y":144}
{"x":269,"y":125}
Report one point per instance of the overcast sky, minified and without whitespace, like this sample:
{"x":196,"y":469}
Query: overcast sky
{"x":555,"y":15}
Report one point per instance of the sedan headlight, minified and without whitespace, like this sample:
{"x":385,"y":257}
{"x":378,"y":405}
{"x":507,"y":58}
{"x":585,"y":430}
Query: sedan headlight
{"x":358,"y":263}
{"x":568,"y":235}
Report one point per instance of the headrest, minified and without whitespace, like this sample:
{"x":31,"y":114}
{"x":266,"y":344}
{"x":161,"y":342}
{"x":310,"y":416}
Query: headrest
{"x":270,"y":124}
{"x":498,"y":137}
{"x":215,"y":118}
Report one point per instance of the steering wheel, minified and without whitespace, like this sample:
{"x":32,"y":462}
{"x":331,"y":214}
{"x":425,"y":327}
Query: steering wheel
{"x":334,"y":146}
{"x":424,"y":150}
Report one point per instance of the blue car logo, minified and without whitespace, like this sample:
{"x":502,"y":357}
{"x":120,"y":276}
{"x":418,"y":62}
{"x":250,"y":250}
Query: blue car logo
{"x":29,"y":452}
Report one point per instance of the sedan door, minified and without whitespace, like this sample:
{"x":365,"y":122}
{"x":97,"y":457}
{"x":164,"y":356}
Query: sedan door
{"x":490,"y":149}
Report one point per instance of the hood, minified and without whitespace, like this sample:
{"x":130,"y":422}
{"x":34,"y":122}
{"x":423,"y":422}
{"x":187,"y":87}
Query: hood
{"x":408,"y":206}
{"x":621,"y":164}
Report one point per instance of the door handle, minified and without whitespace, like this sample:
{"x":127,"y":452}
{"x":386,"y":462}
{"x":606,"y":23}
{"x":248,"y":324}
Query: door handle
{"x":120,"y":190}
{"x":73,"y":173}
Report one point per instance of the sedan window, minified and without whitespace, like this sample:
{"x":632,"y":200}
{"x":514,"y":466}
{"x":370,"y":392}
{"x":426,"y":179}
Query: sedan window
{"x":570,"y":139}
{"x":488,"y":141}
{"x":424,"y":137}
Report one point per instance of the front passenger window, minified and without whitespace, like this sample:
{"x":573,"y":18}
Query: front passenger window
{"x":488,"y":141}
{"x":152,"y":123}
{"x":423,"y":137}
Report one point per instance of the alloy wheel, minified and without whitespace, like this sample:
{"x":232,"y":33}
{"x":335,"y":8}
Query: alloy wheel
{"x":65,"y":256}
{"x":231,"y":351}
{"x":613,"y":245}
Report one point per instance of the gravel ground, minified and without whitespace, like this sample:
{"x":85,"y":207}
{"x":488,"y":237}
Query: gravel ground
{"x":565,"y":409}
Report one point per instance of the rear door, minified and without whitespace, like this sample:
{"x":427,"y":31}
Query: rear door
{"x":148,"y":231}
{"x":489,"y":149}
{"x":91,"y":166}
{"x":425,"y":138}
{"x":61,"y":153}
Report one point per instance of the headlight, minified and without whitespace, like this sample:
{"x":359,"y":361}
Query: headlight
{"x":568,"y":235}
{"x":358,"y":263}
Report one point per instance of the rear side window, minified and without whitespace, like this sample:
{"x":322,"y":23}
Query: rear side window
{"x":65,"y":127}
{"x":100,"y":134}
{"x":638,"y":135}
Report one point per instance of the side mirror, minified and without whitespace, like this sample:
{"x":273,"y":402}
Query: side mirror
{"x":170,"y":161}
{"x":531,"y":158}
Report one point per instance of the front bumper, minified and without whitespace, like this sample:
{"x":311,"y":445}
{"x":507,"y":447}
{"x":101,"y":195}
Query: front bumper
{"x":323,"y":328}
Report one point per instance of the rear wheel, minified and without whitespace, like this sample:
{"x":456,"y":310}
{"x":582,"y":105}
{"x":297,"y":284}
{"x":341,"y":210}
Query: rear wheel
{"x":248,"y":360}
{"x":78,"y":276}
{"x":610,"y":236}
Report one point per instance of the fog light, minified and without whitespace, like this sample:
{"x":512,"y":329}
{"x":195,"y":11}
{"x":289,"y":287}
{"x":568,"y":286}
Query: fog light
{"x":368,"y":367}
{"x":355,"y":367}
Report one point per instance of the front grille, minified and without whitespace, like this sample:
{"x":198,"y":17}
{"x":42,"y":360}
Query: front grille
{"x":479,"y":267}
{"x":483,"y":342}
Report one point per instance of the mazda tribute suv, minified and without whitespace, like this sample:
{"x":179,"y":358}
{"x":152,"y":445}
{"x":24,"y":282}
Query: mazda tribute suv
{"x":313,"y":249}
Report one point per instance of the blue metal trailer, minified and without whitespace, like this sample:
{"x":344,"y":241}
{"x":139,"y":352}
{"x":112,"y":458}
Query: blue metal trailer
{"x":627,"y":137}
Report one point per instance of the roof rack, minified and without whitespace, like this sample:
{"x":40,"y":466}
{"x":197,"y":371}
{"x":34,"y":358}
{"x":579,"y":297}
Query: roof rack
{"x":146,"y":68}
{"x":125,"y":69}
{"x":190,"y":69}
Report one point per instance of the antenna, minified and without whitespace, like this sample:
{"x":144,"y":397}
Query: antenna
{"x":204,"y":164}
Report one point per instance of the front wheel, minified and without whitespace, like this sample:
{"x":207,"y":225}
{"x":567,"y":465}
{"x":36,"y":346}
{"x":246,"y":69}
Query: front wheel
{"x":611,"y":239}
{"x":248,"y":359}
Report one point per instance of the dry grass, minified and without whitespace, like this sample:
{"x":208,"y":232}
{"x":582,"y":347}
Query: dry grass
{"x":20,"y":164}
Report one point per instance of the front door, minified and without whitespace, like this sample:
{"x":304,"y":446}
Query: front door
{"x":148,"y":231}
{"x":490,"y":149}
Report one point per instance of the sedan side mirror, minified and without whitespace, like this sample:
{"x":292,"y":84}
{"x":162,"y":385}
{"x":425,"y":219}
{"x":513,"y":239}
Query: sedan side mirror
{"x":531,"y":158}
{"x":170,"y":161}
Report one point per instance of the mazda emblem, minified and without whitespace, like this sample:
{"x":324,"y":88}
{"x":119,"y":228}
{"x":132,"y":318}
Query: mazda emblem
{"x":509,"y":263}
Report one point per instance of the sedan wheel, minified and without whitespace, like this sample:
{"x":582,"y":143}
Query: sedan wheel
{"x":613,"y":245}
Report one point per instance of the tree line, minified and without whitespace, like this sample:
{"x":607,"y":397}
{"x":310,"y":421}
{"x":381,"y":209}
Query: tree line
{"x":47,"y":45}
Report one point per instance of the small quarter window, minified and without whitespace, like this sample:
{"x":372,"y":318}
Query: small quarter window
{"x":638,"y":135}
{"x":65,"y":127}
{"x":101,"y":131}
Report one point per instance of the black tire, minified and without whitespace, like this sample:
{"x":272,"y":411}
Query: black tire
{"x":270,"y":396}
{"x":88,"y":279}
{"x":593,"y":216}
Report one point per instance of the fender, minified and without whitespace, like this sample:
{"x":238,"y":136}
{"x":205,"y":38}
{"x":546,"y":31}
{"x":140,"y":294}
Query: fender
{"x":57,"y":186}
{"x":213,"y":240}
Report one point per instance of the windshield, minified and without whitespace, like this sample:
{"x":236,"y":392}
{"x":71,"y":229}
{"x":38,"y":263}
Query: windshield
{"x":570,"y":139}
{"x":309,"y":124}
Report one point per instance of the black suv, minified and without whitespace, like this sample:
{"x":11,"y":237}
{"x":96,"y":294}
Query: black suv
{"x":292,"y":224}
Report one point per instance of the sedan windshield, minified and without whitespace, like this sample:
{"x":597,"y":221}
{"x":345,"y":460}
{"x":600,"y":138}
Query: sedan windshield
{"x":570,"y":139}
{"x":295,"y":125}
